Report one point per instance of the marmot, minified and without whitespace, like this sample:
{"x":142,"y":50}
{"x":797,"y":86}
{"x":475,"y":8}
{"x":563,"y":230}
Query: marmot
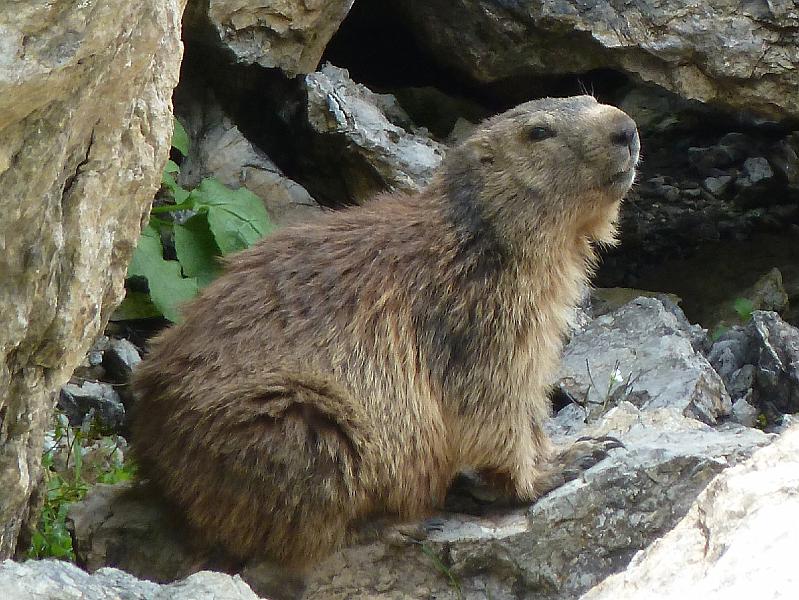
{"x":347,"y":369}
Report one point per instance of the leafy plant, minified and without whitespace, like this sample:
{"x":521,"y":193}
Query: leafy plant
{"x":198,"y":226}
{"x":66,"y":483}
{"x":743,"y":308}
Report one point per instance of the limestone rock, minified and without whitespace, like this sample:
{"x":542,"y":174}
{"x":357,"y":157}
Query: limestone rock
{"x":220,"y":150}
{"x":374,"y":154}
{"x":287,"y":34}
{"x":122,"y":525}
{"x":85,"y":123}
{"x":643,"y":353}
{"x":717,"y":52}
{"x":777,"y":346}
{"x":739,"y":537}
{"x":92,"y":400}
{"x":59,"y":580}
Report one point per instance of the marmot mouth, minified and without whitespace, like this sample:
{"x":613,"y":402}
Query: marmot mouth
{"x":624,"y":177}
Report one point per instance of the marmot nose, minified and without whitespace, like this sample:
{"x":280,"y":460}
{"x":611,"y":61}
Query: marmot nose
{"x":625,"y":136}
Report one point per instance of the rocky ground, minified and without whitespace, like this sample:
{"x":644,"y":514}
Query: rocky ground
{"x":686,"y":351}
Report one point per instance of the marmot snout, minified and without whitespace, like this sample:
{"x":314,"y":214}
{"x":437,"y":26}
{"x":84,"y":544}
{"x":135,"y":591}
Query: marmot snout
{"x":347,"y":369}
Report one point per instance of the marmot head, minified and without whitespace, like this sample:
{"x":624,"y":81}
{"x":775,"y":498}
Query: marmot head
{"x":557,"y":164}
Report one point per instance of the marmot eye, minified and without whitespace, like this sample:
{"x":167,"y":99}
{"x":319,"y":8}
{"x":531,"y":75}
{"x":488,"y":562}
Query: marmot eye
{"x":540,"y":133}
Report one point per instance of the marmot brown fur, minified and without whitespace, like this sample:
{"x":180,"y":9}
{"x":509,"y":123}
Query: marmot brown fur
{"x":347,"y":369}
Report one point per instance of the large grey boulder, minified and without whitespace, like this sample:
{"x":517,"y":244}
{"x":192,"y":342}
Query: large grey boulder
{"x":59,"y":580}
{"x":738,"y":540}
{"x":287,"y":34}
{"x":85,"y":123}
{"x":723,"y":52}
{"x":643,"y":352}
{"x":372,"y":153}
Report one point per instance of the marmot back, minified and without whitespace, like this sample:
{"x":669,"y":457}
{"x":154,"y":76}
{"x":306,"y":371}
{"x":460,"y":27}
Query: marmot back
{"x":347,"y":369}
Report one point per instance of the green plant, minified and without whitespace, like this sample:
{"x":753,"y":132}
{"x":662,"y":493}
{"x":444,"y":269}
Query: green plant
{"x":197,"y":226}
{"x":67,"y":482}
{"x":743,"y":308}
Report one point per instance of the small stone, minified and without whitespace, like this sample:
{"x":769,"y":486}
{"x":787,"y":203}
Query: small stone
{"x":741,"y":382}
{"x":101,"y":400}
{"x":95,"y":355}
{"x":119,"y":360}
{"x":717,"y":185}
{"x":670,"y":193}
{"x":757,"y":169}
{"x":692,"y":192}
{"x":743,"y":413}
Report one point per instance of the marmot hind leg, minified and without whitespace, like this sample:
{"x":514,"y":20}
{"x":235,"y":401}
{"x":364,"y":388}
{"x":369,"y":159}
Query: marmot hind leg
{"x":272,"y":469}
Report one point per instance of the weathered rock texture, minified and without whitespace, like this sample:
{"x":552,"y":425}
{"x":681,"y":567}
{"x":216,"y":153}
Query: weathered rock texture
{"x":621,"y":505}
{"x":739,"y":538}
{"x":85,"y":124}
{"x":741,"y":56}
{"x":373,"y":154}
{"x":643,"y":353}
{"x":288,"y":34}
{"x":59,"y":580}
{"x":220,"y":150}
{"x":759,"y":364}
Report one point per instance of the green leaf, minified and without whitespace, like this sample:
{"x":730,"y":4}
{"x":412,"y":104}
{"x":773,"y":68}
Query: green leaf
{"x":171,"y":167}
{"x":180,"y":139}
{"x":197,"y":250}
{"x":237,"y":218}
{"x":744,"y":308}
{"x":136,"y":305}
{"x":168,"y":288}
{"x":175,"y":190}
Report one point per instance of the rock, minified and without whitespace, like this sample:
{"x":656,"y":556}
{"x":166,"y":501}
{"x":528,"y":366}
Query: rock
{"x":717,"y":185}
{"x":606,"y":300}
{"x":786,"y":422}
{"x":95,"y":355}
{"x":220,"y":150}
{"x":288,"y":34}
{"x":653,"y":109}
{"x":777,"y":345}
{"x":92,"y":400}
{"x":119,"y":359}
{"x":716,"y":53}
{"x":785,"y":158}
{"x":741,"y":383}
{"x":757,"y":169}
{"x":60,"y":580}
{"x":437,"y":111}
{"x":372,"y":154}
{"x":123,"y":525}
{"x":86,"y":121}
{"x":768,"y":292}
{"x":744,"y":413}
{"x":643,"y":353}
{"x":760,"y":362}
{"x":738,"y":538}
